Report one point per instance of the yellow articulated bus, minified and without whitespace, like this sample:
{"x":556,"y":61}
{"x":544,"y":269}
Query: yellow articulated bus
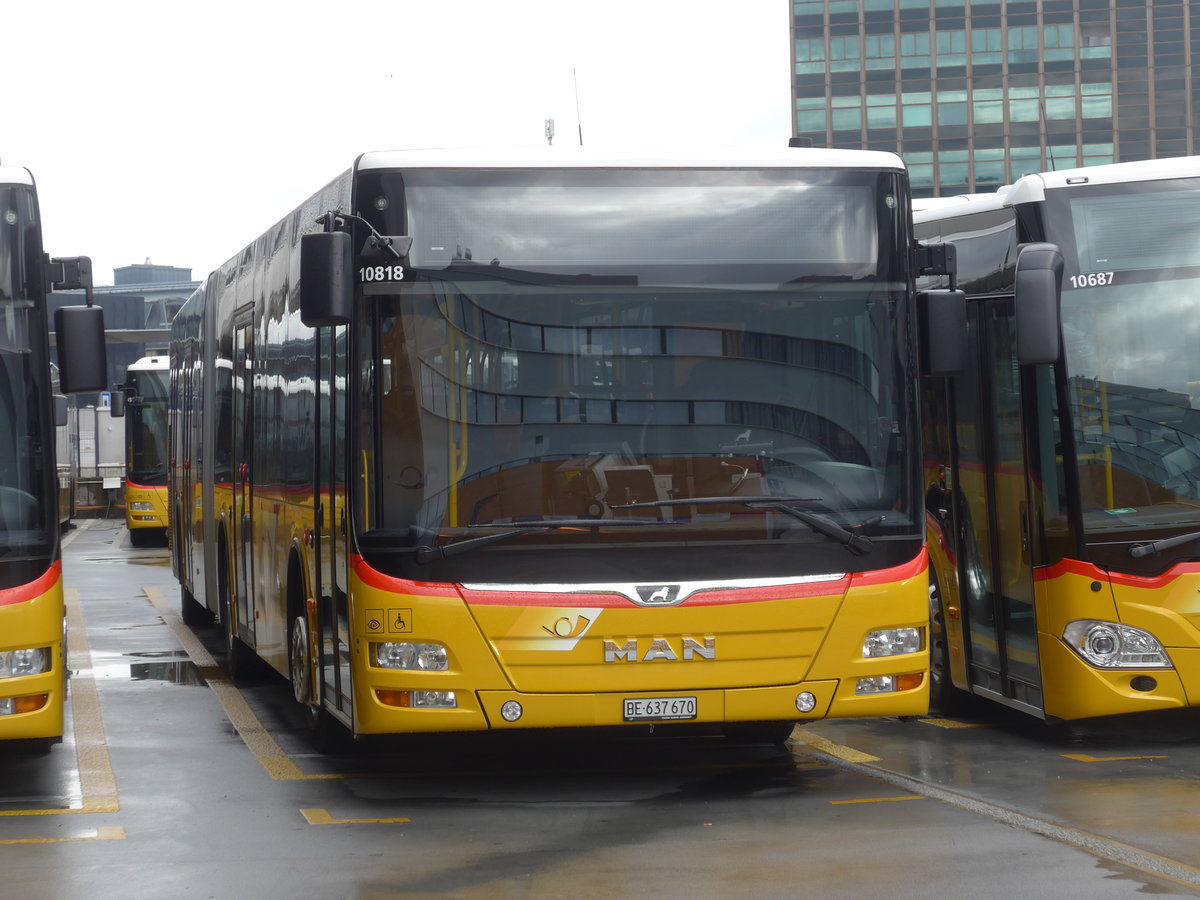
{"x":32,"y":632}
{"x":1063,"y":465}
{"x":145,"y":412}
{"x":493,"y":440}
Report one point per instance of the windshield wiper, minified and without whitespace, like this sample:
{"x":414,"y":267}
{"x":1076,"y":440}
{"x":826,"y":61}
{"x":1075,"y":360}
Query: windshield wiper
{"x":858,"y":544}
{"x":426,"y":554}
{"x":1137,"y":551}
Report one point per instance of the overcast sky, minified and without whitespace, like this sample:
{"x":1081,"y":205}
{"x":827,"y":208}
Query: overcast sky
{"x":178,"y":133}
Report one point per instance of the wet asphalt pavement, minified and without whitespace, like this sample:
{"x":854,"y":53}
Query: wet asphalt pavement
{"x":172,"y":782}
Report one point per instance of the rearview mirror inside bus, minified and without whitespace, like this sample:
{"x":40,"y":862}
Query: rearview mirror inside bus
{"x":79,"y":335}
{"x":326,"y":279}
{"x":943,"y":332}
{"x":1038,"y":289}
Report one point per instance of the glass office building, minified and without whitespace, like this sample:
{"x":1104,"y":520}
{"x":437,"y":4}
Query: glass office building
{"x":975,"y":94}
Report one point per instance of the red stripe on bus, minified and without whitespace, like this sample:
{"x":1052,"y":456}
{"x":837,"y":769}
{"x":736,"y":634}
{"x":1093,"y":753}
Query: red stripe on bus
{"x":33,"y":589}
{"x":903,"y":572}
{"x":715,"y":597}
{"x":372,"y":577}
{"x":1089,"y":570}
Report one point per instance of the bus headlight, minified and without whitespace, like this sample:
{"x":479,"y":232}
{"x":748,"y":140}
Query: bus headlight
{"x":1111,"y":645}
{"x":892,"y":642}
{"x":405,"y":655}
{"x":17,"y":663}
{"x":141,"y":506}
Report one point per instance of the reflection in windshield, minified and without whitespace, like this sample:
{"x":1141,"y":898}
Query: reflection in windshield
{"x":146,"y":424}
{"x":24,"y":375}
{"x":503,"y":403}
{"x":1132,"y":346}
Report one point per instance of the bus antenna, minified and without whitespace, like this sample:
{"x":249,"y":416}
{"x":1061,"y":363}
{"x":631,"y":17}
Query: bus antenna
{"x":578,"y":119}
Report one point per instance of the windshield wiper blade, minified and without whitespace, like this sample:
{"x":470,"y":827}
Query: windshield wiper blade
{"x":1137,"y":551}
{"x":426,"y":554}
{"x":858,"y":544}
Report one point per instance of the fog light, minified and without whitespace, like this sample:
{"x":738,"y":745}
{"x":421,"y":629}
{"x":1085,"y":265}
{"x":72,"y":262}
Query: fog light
{"x":434,"y":700}
{"x":1111,"y":645}
{"x":805,"y":702}
{"x":418,"y":699}
{"x":17,"y":663}
{"x":11,"y":706}
{"x":404,"y":655}
{"x":511,"y":711}
{"x":879,"y":684}
{"x":892,"y":642}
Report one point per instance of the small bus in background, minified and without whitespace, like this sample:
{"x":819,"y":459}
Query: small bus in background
{"x":142,"y":401}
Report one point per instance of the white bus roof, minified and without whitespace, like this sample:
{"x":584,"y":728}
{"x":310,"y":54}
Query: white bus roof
{"x":933,"y":208}
{"x":1034,"y":187}
{"x":148,"y":364}
{"x":647,"y":157}
{"x":15,"y":175}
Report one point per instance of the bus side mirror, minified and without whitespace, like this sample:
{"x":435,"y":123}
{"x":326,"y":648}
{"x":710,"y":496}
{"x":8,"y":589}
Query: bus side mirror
{"x":116,"y":407}
{"x":326,"y":279}
{"x":79,"y":335}
{"x":1038,"y":290}
{"x":943,"y":321}
{"x":61,"y":411}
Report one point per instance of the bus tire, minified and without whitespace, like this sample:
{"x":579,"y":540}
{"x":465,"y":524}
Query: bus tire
{"x":192,"y":611}
{"x":318,"y":723}
{"x":944,"y":697}
{"x":239,"y":659}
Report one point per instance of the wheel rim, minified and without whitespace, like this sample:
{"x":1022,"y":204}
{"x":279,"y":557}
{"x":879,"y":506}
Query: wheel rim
{"x":937,"y":638}
{"x":299,"y":663}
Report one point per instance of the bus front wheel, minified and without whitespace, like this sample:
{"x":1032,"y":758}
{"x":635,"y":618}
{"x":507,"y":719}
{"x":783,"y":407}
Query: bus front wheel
{"x":300,"y":671}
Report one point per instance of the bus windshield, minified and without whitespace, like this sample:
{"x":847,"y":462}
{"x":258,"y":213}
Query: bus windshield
{"x":1131,"y":336}
{"x":535,"y":379}
{"x":146,"y":427}
{"x":26,"y":443}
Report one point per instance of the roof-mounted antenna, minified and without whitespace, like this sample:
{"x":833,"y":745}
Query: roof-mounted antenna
{"x":578,"y":119}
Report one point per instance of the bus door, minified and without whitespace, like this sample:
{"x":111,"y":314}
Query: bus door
{"x":243,"y":471}
{"x":329,"y":503}
{"x":995,"y":572}
{"x":183,"y":515}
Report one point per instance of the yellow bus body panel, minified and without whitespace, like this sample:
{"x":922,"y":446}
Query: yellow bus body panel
{"x":28,"y":623}
{"x":1168,"y":608}
{"x":155,"y":517}
{"x":548,"y":652}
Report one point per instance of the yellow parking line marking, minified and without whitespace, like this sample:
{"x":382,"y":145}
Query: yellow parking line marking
{"x":106,"y":833}
{"x":849,"y":754}
{"x":322,"y":817}
{"x":876,"y":800}
{"x":97,"y":783}
{"x":1084,"y":757}
{"x":253,"y":733}
{"x":950,"y":723}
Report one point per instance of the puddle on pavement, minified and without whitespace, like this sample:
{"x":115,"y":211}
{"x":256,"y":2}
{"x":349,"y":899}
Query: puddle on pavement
{"x":168,"y":666}
{"x":179,"y":671}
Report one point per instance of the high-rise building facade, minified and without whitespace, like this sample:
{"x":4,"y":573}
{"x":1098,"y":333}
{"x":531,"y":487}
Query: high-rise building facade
{"x":975,"y":94}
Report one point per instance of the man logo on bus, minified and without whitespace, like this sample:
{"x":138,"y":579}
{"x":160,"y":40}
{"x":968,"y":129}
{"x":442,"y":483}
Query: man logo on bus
{"x":657,"y":595}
